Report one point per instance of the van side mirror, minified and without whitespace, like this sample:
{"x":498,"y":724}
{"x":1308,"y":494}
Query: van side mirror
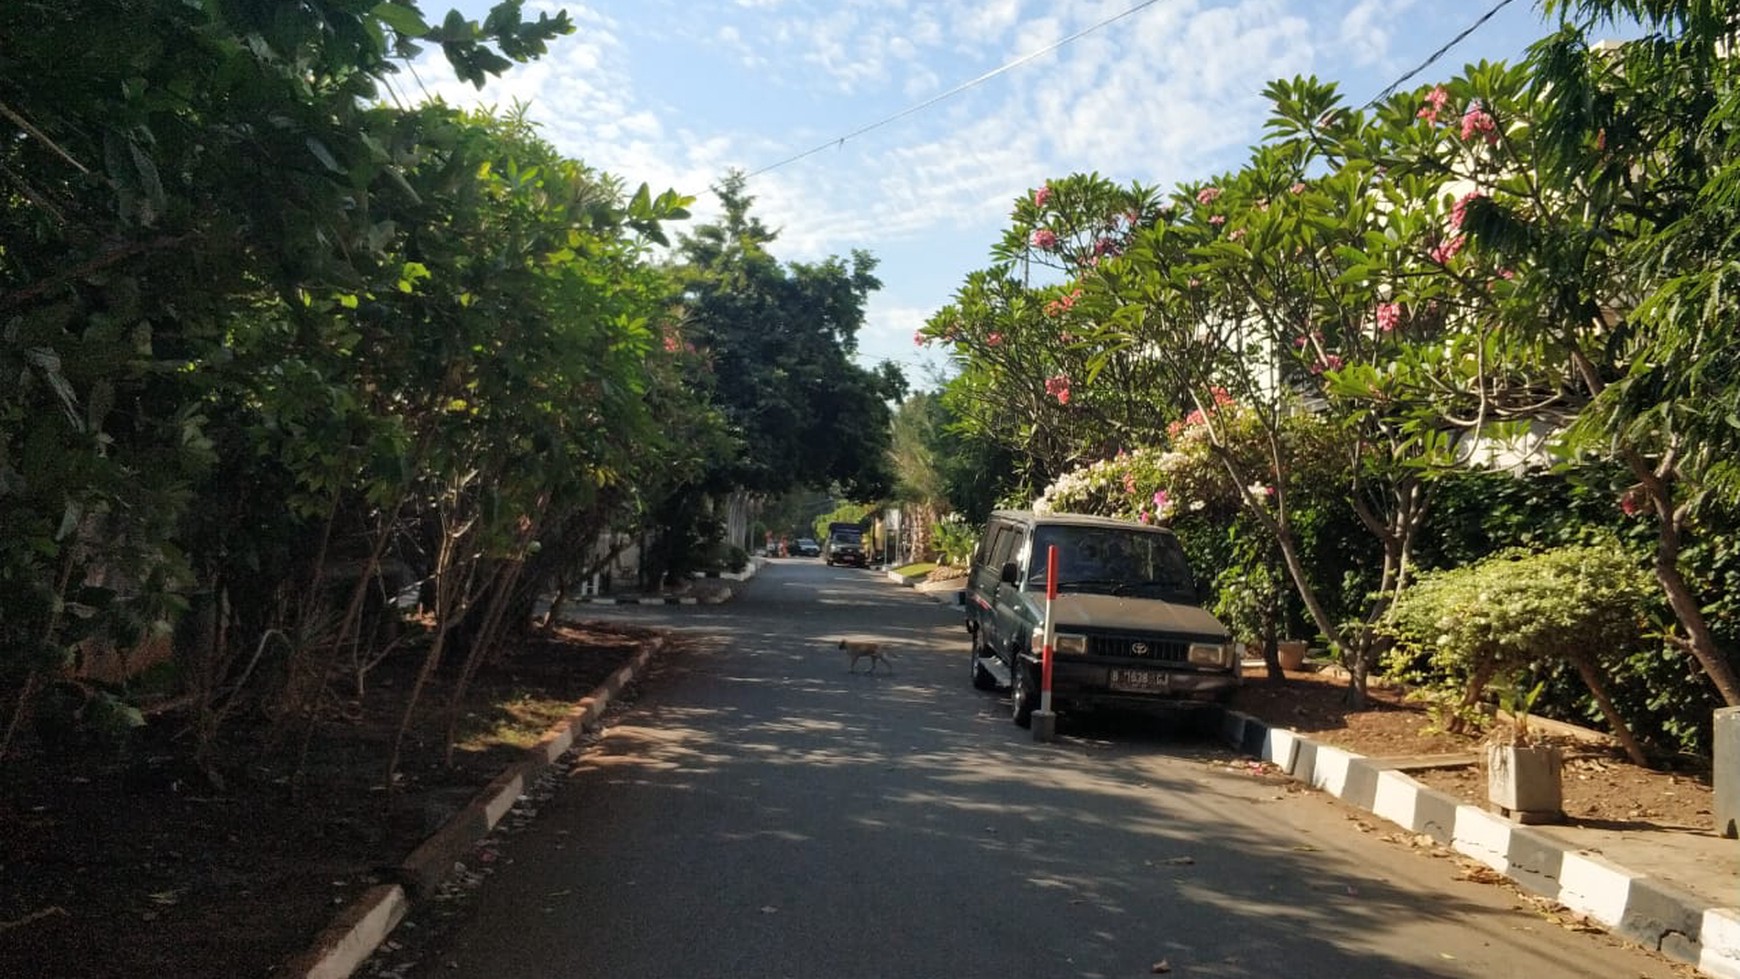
{"x":1011,"y":574}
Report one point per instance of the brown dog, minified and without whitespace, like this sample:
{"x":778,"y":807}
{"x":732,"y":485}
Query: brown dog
{"x":857,"y":649}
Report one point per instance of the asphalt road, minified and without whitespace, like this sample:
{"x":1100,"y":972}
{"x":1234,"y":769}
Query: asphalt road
{"x":762,"y":812}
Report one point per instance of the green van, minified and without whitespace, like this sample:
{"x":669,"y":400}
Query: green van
{"x":1130,"y":630}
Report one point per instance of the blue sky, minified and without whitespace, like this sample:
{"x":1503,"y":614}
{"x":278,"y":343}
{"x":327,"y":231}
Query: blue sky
{"x":676,"y":92}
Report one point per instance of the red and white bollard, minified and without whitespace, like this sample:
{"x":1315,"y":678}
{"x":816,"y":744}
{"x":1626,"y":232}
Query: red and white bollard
{"x":1045,"y":719}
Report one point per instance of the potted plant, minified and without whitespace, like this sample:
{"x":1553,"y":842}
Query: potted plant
{"x":1291,"y":653}
{"x":1522,"y":775}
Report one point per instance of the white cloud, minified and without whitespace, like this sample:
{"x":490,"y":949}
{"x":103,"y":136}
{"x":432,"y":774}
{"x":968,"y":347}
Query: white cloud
{"x":1164,"y":95}
{"x":1366,"y":29}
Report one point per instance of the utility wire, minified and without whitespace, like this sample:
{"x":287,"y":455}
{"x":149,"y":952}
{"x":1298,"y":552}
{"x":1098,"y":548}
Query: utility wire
{"x":958,"y":89}
{"x":1422,"y":66}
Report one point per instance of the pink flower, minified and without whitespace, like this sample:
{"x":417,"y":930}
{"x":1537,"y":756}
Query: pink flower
{"x":1236,"y":234}
{"x":1444,"y":252}
{"x":1389,"y":316}
{"x":993,"y":339}
{"x":1435,"y":101}
{"x":1142,"y":517}
{"x":1628,"y":504}
{"x":1045,"y":239}
{"x":1459,"y":210}
{"x":1129,"y":482}
{"x":1328,"y":362}
{"x":1222,"y":396}
{"x":1207,"y":195}
{"x":1058,"y":387}
{"x":672,"y":344}
{"x":1217,"y":220}
{"x":1298,"y":187}
{"x":918,"y":339}
{"x":1478,"y":122}
{"x":1042,"y":195}
{"x":1054,"y":308}
{"x":1161,"y":500}
{"x":1106,"y":246}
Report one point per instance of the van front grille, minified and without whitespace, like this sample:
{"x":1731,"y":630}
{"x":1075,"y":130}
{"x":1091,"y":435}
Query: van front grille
{"x":1139,"y":647}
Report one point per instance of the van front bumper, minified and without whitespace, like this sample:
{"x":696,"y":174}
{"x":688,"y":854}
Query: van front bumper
{"x":1139,"y":686}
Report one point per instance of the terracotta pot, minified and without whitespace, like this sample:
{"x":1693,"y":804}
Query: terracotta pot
{"x":1291,"y":653}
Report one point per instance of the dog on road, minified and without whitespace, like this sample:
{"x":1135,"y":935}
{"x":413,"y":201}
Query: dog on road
{"x":857,"y":649}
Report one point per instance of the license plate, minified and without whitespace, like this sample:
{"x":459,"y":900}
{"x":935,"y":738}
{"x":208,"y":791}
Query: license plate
{"x":1139,"y":681}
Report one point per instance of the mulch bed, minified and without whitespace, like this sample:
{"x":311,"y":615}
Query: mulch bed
{"x":1599,"y":783}
{"x":133,"y":865}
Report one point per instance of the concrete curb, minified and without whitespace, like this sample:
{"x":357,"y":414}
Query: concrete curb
{"x":1651,"y":912}
{"x":367,"y":921}
{"x":724,"y":596}
{"x":646,"y":600}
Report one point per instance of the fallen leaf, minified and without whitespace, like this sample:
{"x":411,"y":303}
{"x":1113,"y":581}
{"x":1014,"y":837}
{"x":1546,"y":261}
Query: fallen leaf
{"x":769,"y":909}
{"x":1160,"y":967}
{"x":1179,"y":861}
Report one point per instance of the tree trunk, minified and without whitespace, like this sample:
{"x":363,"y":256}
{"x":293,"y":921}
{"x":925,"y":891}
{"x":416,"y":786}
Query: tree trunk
{"x":1679,"y":594}
{"x":1592,"y":679}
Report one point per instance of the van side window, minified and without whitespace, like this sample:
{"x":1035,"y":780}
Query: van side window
{"x":1003,"y":548}
{"x":982,"y":553}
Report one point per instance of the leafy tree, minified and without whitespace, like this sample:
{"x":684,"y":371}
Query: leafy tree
{"x":777,"y":341}
{"x":134,"y":235}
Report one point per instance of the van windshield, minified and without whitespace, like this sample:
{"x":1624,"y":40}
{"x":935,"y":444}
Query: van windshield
{"x":1113,"y":561}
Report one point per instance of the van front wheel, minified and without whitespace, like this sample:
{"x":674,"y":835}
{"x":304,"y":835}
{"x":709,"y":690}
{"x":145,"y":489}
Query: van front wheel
{"x":1021,"y":694}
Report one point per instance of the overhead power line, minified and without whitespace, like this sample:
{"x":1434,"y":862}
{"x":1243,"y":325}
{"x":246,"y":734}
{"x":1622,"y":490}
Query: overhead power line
{"x":958,"y":89}
{"x":1422,"y":66}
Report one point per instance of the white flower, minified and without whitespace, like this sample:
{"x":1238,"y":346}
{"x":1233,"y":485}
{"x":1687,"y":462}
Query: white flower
{"x":1197,"y":506}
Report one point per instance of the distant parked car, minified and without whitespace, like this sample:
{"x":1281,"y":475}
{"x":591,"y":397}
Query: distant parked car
{"x":806,"y":547}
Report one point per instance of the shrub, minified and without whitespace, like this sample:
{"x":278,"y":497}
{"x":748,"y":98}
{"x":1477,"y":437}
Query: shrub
{"x":954,"y":541}
{"x":1516,"y":614}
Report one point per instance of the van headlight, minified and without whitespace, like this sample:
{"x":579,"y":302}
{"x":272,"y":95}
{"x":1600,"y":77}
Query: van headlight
{"x":1062,"y":643}
{"x":1211,"y":654}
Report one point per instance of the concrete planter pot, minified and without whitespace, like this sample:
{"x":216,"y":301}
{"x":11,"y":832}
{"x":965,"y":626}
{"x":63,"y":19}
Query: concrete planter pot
{"x":1291,"y":653}
{"x":1523,"y":782}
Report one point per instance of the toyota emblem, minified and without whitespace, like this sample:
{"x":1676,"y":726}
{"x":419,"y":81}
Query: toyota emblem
{"x":1138,"y":649}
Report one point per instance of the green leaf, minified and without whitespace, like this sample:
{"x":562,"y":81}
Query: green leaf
{"x":401,"y":18}
{"x":323,"y":154}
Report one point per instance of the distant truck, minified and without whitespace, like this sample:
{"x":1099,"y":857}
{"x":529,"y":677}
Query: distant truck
{"x":845,"y":545}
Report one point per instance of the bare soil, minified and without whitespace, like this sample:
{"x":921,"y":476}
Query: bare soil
{"x":132,"y":865}
{"x":1600,"y":785}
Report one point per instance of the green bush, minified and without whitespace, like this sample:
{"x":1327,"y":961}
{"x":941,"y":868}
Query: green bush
{"x":1516,"y":614}
{"x":955,"y":541}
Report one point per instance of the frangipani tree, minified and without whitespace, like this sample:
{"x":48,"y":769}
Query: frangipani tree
{"x":1017,"y":334}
